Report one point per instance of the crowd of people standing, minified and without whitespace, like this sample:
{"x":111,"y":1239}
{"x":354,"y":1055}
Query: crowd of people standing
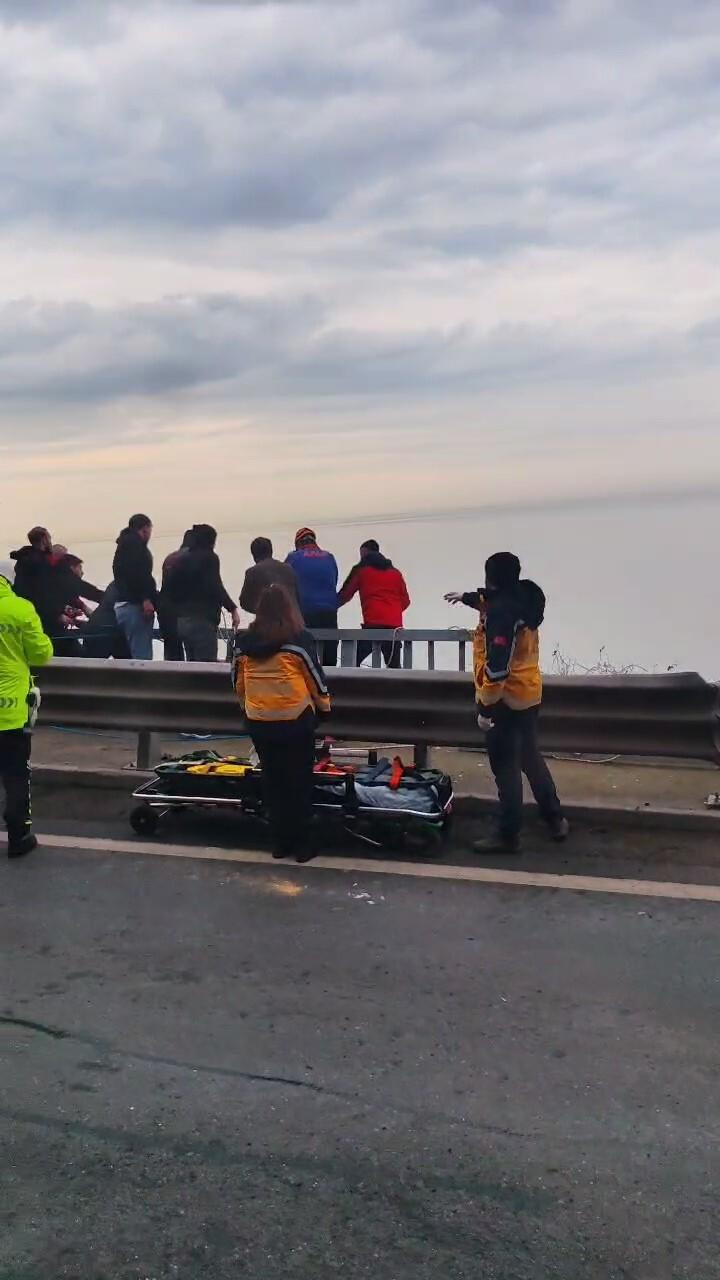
{"x":187,"y":604}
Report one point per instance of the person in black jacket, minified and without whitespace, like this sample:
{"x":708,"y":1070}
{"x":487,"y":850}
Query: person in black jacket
{"x":195,"y":588}
{"x":135,"y":585}
{"x":173,"y":650}
{"x":101,"y":635}
{"x":68,"y":590}
{"x":33,"y":571}
{"x":49,"y":577}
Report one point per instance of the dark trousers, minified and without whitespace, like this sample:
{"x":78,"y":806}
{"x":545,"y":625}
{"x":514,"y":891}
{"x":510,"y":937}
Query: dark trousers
{"x":173,"y":650}
{"x":324,"y":620}
{"x":168,"y":623}
{"x":15,"y":774}
{"x":512,"y":747}
{"x":67,"y":646}
{"x":198,"y":638}
{"x":287,"y":757}
{"x":391,"y":651}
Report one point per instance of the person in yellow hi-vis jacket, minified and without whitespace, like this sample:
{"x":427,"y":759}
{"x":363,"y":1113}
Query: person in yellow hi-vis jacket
{"x":508,"y":689}
{"x":282,"y":689}
{"x":23,"y":644}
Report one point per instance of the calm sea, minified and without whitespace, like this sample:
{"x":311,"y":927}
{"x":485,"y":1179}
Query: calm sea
{"x":634,"y":584}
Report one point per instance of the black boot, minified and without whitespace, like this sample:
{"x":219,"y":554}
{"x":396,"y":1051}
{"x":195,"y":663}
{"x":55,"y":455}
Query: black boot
{"x":18,"y":847}
{"x":497,"y":846}
{"x":559,"y":829}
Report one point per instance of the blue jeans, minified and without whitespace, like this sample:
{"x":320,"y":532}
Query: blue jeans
{"x":137,"y":629}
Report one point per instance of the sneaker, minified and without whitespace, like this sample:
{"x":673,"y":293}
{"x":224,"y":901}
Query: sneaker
{"x":499,"y":844}
{"x":19,"y":848}
{"x":559,"y":829}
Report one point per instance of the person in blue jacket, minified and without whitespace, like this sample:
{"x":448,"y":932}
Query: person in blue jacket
{"x":317,"y":576}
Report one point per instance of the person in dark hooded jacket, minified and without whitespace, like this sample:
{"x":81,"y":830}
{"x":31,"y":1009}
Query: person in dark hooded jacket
{"x":383,"y":599}
{"x":195,"y":589}
{"x":173,"y":650}
{"x":508,"y":687}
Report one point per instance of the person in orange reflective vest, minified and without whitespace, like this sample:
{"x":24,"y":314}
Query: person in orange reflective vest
{"x":282,"y":689}
{"x":508,"y":690}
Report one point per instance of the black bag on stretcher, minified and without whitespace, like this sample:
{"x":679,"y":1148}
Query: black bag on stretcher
{"x":389,"y":804}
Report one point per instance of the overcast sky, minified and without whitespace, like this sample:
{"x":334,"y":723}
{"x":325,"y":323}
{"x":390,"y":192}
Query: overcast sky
{"x":331,"y":259}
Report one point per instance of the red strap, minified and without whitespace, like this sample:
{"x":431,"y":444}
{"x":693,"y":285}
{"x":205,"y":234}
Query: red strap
{"x":396,"y":776}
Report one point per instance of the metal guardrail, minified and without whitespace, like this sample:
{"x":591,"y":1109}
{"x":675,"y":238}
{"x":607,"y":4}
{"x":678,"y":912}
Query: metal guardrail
{"x":348,"y":638}
{"x":408,"y":639}
{"x":670,"y":715}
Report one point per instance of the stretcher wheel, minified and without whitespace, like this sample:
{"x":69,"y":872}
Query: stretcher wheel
{"x":144,"y":820}
{"x":418,"y":837}
{"x":424,"y":839}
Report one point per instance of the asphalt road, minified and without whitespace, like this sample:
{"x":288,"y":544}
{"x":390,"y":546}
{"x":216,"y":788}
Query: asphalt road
{"x":214,"y":1071}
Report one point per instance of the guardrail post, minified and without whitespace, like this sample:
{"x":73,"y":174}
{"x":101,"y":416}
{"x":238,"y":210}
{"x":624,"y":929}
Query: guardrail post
{"x":348,"y":653}
{"x":431,"y":655}
{"x":146,"y":749}
{"x":421,"y":755}
{"x":407,"y":655}
{"x":461,"y":655}
{"x":376,"y":654}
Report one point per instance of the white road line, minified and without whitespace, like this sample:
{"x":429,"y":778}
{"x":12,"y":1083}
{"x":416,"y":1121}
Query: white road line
{"x":421,"y":870}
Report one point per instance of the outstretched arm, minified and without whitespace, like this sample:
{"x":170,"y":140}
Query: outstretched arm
{"x":473,"y":599}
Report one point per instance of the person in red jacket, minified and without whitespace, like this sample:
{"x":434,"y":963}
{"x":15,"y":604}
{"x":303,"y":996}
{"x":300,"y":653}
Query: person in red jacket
{"x":383,"y":599}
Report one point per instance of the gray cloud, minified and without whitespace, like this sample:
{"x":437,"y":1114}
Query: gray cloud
{"x":389,"y":176}
{"x":240,"y":119}
{"x":81,"y":353}
{"x":269,"y":348}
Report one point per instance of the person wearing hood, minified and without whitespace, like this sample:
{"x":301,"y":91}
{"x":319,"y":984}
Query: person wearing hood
{"x":173,"y":650}
{"x":282,"y":691}
{"x":195,"y":589}
{"x":317,"y":578}
{"x":383,"y":599}
{"x":135,"y":586}
{"x":23,"y":644}
{"x":508,"y":687}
